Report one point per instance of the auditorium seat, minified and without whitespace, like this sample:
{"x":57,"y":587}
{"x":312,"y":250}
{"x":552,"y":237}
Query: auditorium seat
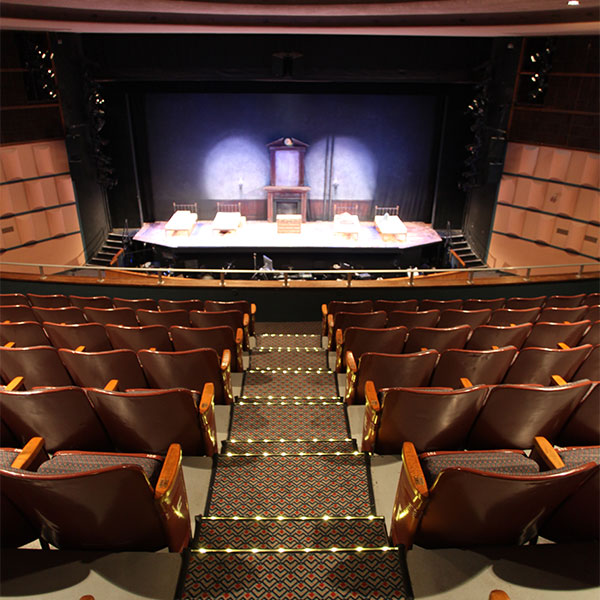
{"x":66,"y":314}
{"x":247,"y":308}
{"x":358,"y":340}
{"x":551,"y":334}
{"x":513,"y":316}
{"x":13,"y":299}
{"x":118,"y":368}
{"x":17,"y":313}
{"x":218,"y":338}
{"x":430,"y":304}
{"x":63,"y":416}
{"x":460,"y":367}
{"x":479,"y":303}
{"x":142,"y":337}
{"x":194,"y":304}
{"x":565,"y":301}
{"x":335,"y":306}
{"x":583,"y":426}
{"x":343,"y":320}
{"x":562,"y":315}
{"x":388,"y":370}
{"x":436,"y":338}
{"x":7,"y":437}
{"x":390,"y":305}
{"x":190,"y":369}
{"x":590,"y":366}
{"x":105,"y":501}
{"x":485,"y":337}
{"x":235,"y":319}
{"x":91,"y":301}
{"x":592,"y":335}
{"x":135,"y":303}
{"x":577,"y":518}
{"x":452,"y":317}
{"x":38,"y":365}
{"x":520,"y":303}
{"x":152,"y":420}
{"x":539,"y":365}
{"x":445,"y":499}
{"x":410,"y":319}
{"x":593,"y":313}
{"x":15,"y":529}
{"x":166,"y":318}
{"x":49,"y":300}
{"x":91,"y":336}
{"x":432,"y":419}
{"x":23,"y":334}
{"x":112,"y":316}
{"x":514,"y":415}
{"x":592,"y":299}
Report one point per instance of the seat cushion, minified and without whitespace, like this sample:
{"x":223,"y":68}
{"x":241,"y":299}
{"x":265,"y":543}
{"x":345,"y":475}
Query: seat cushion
{"x":573,"y":457}
{"x":504,"y":463}
{"x":7,"y":457}
{"x":65,"y":463}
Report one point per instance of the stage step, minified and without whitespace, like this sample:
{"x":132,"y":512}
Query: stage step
{"x":283,"y":447}
{"x":369,"y":574}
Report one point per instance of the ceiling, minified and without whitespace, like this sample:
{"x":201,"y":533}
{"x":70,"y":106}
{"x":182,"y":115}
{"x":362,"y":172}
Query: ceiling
{"x":362,"y":17}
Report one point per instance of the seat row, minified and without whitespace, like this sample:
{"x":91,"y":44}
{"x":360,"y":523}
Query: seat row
{"x":469,"y":498}
{"x":95,"y":337}
{"x":502,"y":317}
{"x":480,"y":417}
{"x":122,"y":370}
{"x":470,"y":304}
{"x":93,"y":500}
{"x":457,"y":368}
{"x":94,"y":419}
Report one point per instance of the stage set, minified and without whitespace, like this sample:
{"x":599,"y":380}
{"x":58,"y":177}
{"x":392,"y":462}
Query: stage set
{"x":287,"y":240}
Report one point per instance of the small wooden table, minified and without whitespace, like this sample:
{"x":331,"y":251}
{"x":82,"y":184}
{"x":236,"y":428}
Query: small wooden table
{"x":285,"y":194}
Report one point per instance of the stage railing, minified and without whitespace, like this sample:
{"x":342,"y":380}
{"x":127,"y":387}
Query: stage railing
{"x":224,"y":277}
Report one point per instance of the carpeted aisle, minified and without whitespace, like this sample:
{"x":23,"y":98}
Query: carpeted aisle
{"x":290,"y":513}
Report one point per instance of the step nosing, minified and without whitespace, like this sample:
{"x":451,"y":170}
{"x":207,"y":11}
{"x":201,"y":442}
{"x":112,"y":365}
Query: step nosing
{"x":282,"y":440}
{"x":290,"y":454}
{"x":303,"y":519}
{"x":282,"y":550}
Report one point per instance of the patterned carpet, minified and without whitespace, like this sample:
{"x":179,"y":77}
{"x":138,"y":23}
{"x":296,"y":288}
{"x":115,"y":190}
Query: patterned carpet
{"x":290,"y":512}
{"x":287,"y":421}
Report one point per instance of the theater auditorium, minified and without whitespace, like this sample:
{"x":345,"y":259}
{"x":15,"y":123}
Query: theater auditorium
{"x":300,"y":299}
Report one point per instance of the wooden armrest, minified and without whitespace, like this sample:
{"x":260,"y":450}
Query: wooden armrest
{"x":324,"y":310}
{"x":14,"y":384}
{"x":424,"y":349}
{"x":494,"y":347}
{"x":80,"y":349}
{"x":339,"y":337}
{"x":169,"y":470}
{"x":208,"y":395}
{"x":31,"y":454}
{"x":465,"y":382}
{"x":351,"y":362}
{"x":239,"y":335}
{"x":253,"y":309}
{"x":330,"y":321}
{"x":9,"y":345}
{"x":544,"y":453}
{"x":563,"y":346}
{"x":111,"y":386}
{"x":558,"y":380}
{"x":226,"y":359}
{"x":498,"y":595}
{"x":246,"y":320}
{"x":371,"y":396}
{"x":413,"y":468}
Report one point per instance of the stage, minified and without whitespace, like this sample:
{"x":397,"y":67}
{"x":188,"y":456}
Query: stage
{"x":317,"y":246}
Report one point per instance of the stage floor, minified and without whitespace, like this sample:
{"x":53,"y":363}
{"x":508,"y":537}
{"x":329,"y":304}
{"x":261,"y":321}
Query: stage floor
{"x":314,"y":235}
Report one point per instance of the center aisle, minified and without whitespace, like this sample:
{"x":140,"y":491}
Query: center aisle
{"x":290,"y":512}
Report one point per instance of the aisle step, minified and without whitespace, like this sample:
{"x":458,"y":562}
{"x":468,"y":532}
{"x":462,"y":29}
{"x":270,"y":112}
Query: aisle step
{"x":275,"y":357}
{"x":291,"y":486}
{"x":366,"y":574}
{"x":292,"y":533}
{"x":288,"y":446}
{"x":288,"y":383}
{"x":288,"y":340}
{"x":288,"y":421}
